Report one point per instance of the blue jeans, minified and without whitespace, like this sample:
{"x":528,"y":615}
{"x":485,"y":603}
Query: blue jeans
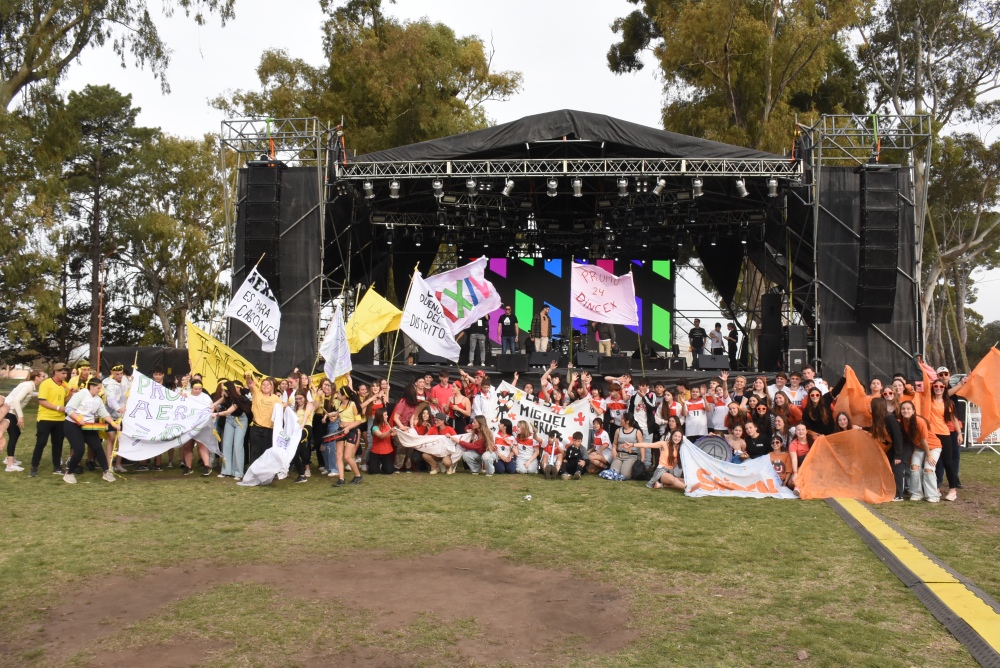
{"x":232,"y":445}
{"x":695,"y":354}
{"x":508,"y":343}
{"x":330,"y":453}
{"x":477,"y":342}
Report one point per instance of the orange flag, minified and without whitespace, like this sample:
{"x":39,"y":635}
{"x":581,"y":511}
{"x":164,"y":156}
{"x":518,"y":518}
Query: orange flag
{"x":922,"y":400}
{"x":983,"y":389}
{"x":854,"y":400}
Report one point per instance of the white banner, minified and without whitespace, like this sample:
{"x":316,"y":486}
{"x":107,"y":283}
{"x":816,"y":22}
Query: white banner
{"x":157,"y":419}
{"x":437,"y":446}
{"x":543,"y":416}
{"x":600,"y":296}
{"x":705,"y":475}
{"x":336,"y":351}
{"x":274,"y":462}
{"x":255,"y":306}
{"x":424,"y":321}
{"x":465,"y":294}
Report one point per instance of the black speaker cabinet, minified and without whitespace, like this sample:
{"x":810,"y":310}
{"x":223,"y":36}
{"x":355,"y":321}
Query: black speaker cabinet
{"x":543,"y":359}
{"x":769,"y":352}
{"x":770,"y":316}
{"x":713,"y":362}
{"x":614,"y":366}
{"x":427,"y":358}
{"x":878,"y":256}
{"x":677,"y":364}
{"x":510,"y":363}
{"x":587,"y":360}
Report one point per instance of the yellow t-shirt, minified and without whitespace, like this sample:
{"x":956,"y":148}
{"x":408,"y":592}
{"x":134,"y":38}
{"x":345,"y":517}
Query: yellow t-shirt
{"x":263,"y":408}
{"x":348,"y":413}
{"x":74,"y":384}
{"x":54,"y":394}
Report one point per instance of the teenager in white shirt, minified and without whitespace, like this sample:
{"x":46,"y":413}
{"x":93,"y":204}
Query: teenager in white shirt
{"x":16,"y":401}
{"x":83,"y":411}
{"x":696,"y":415}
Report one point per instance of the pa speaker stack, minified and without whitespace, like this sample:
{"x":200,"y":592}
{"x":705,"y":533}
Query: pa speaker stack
{"x":263,"y":218}
{"x":614,"y":366}
{"x":878,"y":257}
{"x":769,"y":343}
{"x":516,"y":362}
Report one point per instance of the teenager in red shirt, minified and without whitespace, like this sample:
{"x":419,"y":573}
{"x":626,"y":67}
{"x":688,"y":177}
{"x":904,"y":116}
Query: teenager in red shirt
{"x":439,"y":428}
{"x":380,"y":457}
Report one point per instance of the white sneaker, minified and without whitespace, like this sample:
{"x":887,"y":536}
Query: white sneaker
{"x":933,"y":500}
{"x":70,"y":478}
{"x":433,"y":471}
{"x":308,"y":474}
{"x":120,"y":469}
{"x":364,"y":467}
{"x":109,"y":476}
{"x":18,"y":461}
{"x":952,"y":495}
{"x":13,"y":468}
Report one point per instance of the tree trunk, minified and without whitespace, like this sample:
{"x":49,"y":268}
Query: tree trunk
{"x":962,"y":272}
{"x":95,"y":262}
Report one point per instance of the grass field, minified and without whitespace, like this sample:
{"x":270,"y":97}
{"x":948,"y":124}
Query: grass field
{"x":462,"y":570}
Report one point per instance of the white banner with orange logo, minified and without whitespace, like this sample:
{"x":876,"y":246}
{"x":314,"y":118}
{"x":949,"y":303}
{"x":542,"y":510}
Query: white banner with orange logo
{"x":705,"y":475}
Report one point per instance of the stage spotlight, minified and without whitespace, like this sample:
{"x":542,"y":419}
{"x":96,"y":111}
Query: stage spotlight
{"x":450,"y":238}
{"x":442,"y":218}
{"x":369,"y":190}
{"x":744,"y":237}
{"x":438,"y":186}
{"x":388,"y":236}
{"x":644,"y":239}
{"x":660,"y":185}
{"x":642,"y":185}
{"x":508,"y":188}
{"x":622,"y":187}
{"x":394,"y":189}
{"x":741,"y":187}
{"x":552,"y":187}
{"x":772,"y":187}
{"x":714,"y":239}
{"x":418,"y":238}
{"x":696,"y":185}
{"x":485,"y":187}
{"x":470,"y":186}
{"x":693,"y":216}
{"x":577,"y":186}
{"x":341,"y":187}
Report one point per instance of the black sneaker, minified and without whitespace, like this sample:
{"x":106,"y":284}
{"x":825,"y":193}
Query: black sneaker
{"x":58,"y":472}
{"x":141,"y":468}
{"x":78,"y":470}
{"x":33,"y":473}
{"x":187,"y":471}
{"x":301,"y":478}
{"x":340,"y":483}
{"x":356,"y":480}
{"x":157,"y":468}
{"x":91,"y":466}
{"x":207,"y":472}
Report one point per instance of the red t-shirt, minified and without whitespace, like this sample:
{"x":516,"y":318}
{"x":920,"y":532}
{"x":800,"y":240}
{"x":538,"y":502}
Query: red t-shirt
{"x":442,"y":394}
{"x":381,"y":440}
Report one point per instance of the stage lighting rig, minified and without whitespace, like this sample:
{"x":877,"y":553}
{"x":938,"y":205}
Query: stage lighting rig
{"x":508,"y":188}
{"x":552,"y":187}
{"x":741,"y":187}
{"x":622,"y":187}
{"x":470,"y":186}
{"x":394,"y":189}
{"x":369,"y":190}
{"x":577,"y":184}
{"x":696,"y":187}
{"x":772,"y":187}
{"x":661,"y":183}
{"x":438,"y":186}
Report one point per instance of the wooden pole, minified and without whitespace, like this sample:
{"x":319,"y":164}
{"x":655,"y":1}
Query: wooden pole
{"x":392,"y":357}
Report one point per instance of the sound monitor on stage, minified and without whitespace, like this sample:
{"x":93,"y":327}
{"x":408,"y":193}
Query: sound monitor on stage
{"x":517,"y":362}
{"x":614,"y":366}
{"x":427,"y":358}
{"x":543,"y":359}
{"x":586,"y":359}
{"x":713,"y":362}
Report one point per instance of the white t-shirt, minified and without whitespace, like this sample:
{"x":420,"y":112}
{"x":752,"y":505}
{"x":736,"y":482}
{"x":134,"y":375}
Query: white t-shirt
{"x":717,"y":418}
{"x":601,"y":441}
{"x":696,"y":423}
{"x":797,"y":397}
{"x":718,"y":339}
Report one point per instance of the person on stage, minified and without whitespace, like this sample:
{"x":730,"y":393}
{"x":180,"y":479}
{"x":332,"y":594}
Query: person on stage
{"x":732,"y":341}
{"x":605,"y":332}
{"x":696,"y":337}
{"x":477,"y":332}
{"x":718,"y":340}
{"x":507,"y":331}
{"x":541,"y":329}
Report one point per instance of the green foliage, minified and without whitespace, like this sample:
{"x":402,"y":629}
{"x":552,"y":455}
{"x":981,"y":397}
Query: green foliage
{"x":739,"y":71}
{"x":41,"y":38}
{"x":392,"y":83}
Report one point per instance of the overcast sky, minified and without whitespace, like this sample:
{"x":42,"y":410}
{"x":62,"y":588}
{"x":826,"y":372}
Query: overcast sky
{"x":558,"y":45}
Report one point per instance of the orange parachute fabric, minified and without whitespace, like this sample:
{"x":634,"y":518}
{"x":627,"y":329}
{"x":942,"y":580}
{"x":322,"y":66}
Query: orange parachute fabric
{"x":854,"y":400}
{"x":848,"y":464}
{"x":983,"y":389}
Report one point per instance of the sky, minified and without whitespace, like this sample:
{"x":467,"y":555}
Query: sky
{"x":559,"y":46}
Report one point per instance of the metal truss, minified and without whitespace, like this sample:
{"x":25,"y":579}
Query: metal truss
{"x":295,"y":141}
{"x":857,"y":137}
{"x":776,"y":167}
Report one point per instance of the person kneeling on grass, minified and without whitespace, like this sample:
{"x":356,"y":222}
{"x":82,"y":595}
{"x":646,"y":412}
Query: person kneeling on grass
{"x":82,"y":412}
{"x":380,"y":457}
{"x":480,"y":452}
{"x":527,"y":448}
{"x":573,"y":463}
{"x":505,"y":442}
{"x":668,"y":471}
{"x":439,"y":428}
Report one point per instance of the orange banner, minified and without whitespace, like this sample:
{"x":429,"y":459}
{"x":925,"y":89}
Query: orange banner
{"x":854,"y":400}
{"x":847,"y":464}
{"x":983,"y":389}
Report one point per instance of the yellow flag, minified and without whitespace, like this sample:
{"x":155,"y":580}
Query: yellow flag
{"x":215,"y":360}
{"x":373,"y":315}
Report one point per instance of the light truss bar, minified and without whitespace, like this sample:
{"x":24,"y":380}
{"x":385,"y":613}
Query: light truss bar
{"x":856,"y":137}
{"x":777,"y":167}
{"x":298,"y":141}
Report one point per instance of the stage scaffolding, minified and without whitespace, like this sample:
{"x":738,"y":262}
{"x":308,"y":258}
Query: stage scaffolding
{"x":296,"y":142}
{"x":858,"y":140}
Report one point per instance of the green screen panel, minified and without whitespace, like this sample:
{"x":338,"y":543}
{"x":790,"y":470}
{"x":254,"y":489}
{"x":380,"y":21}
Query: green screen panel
{"x":662,"y":268}
{"x":661,"y":327}
{"x":524,"y":309}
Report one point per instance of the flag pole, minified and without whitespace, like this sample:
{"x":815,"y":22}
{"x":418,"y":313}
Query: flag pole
{"x":392,"y":357}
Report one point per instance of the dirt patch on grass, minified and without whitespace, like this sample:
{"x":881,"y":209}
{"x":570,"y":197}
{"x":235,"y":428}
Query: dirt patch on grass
{"x":173,"y":655}
{"x":506,"y":612}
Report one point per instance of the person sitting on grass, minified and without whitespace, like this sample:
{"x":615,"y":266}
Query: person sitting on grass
{"x":757,"y":444}
{"x":527,"y":448}
{"x":668,"y":472}
{"x":798,"y":448}
{"x":625,"y":448}
{"x":83,"y":411}
{"x":574,"y":462}
{"x":601,"y":454}
{"x":781,"y":461}
{"x":505,"y":442}
{"x":552,"y":455}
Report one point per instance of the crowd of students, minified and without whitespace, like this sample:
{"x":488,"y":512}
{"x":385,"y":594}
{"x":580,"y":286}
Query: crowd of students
{"x":638,"y":432}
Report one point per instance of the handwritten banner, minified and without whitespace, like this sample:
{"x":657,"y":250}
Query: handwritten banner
{"x":255,"y":306}
{"x":543,"y":416}
{"x":215,"y":360}
{"x":424,"y":321}
{"x":157,"y":419}
{"x":465,"y":294}
{"x":600,"y":296}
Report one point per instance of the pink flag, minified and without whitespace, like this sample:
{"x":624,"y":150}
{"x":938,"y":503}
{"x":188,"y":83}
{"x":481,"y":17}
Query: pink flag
{"x":601,"y":296}
{"x":465,"y":294}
